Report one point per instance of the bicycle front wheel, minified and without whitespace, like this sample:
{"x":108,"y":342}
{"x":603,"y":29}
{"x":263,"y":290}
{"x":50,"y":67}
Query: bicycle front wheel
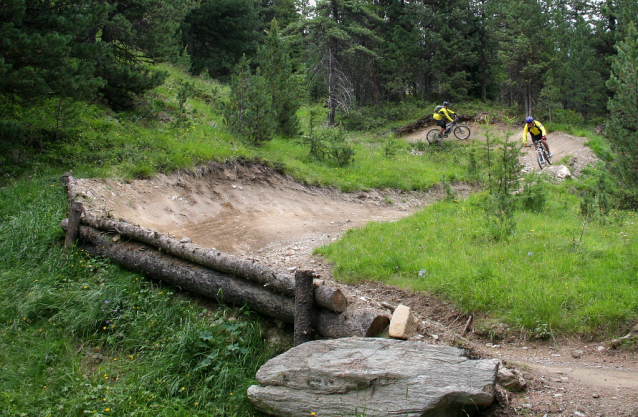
{"x":547,"y":157}
{"x":541,"y":160}
{"x":462,"y":132}
{"x":433,"y":136}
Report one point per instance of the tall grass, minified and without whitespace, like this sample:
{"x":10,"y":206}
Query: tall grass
{"x":79,"y":335}
{"x":555,"y":270}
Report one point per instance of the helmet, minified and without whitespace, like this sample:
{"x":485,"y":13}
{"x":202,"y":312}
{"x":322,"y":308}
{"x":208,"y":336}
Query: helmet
{"x":529,"y":119}
{"x":446,"y":103}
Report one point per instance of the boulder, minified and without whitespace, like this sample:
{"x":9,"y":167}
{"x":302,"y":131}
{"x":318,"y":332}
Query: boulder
{"x":373,"y":377}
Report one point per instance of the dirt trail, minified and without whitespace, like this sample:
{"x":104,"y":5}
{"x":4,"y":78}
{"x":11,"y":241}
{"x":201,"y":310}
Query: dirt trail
{"x":255,"y":212}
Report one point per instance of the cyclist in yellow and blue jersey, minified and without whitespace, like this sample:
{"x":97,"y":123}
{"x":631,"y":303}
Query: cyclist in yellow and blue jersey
{"x":538,"y":132}
{"x":441,"y":113}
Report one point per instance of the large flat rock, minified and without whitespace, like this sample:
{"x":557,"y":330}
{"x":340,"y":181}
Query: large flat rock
{"x":373,"y":377}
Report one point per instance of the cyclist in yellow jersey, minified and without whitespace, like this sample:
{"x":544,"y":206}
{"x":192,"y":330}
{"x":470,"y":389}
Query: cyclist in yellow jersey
{"x":441,"y":113}
{"x":538,"y":132}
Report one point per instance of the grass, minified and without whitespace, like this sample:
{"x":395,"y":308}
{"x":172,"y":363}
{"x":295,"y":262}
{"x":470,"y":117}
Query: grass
{"x":549,"y":271}
{"x":80,"y":335}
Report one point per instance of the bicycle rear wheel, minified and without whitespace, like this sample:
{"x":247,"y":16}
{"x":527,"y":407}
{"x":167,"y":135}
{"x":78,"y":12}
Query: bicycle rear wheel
{"x":433,"y":136}
{"x":462,"y":132}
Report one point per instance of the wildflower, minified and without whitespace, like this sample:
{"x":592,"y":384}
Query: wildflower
{"x":106,"y":301}
{"x":529,"y":253}
{"x":423,"y":273}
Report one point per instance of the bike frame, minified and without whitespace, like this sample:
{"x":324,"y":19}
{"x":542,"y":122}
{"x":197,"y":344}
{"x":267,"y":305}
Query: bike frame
{"x":541,"y":154}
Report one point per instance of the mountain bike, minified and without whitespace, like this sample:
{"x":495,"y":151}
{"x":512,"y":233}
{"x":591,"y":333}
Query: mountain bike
{"x":542,"y":156}
{"x":461,"y":132}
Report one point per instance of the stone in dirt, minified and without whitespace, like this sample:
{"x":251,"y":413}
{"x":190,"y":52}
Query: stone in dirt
{"x":403,"y":323}
{"x":374,"y":377}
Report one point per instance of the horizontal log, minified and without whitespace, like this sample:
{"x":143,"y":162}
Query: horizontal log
{"x":325,"y":296}
{"x":221,"y":287}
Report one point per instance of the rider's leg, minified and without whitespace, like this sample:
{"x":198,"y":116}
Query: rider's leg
{"x":544,"y":142}
{"x":441,"y":124}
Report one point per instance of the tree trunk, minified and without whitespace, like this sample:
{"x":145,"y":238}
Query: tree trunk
{"x":325,"y":296}
{"x":332,"y":88}
{"x":222,"y":287}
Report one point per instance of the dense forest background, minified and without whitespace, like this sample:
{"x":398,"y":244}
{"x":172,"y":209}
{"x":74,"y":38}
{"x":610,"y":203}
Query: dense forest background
{"x":572,"y":60}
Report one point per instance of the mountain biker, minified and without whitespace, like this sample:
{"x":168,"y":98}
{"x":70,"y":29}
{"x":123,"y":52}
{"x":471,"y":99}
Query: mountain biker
{"x":537,"y":130}
{"x":440,"y":114}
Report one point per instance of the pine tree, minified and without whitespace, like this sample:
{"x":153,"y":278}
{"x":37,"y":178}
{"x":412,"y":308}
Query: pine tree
{"x":623,"y":107}
{"x":218,"y":33}
{"x":341,"y":40}
{"x":42,"y":53}
{"x":523,"y":48}
{"x":284,"y":84}
{"x":249,"y":111}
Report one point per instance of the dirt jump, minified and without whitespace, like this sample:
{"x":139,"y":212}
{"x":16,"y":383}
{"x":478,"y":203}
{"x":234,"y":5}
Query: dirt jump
{"x":261,"y":214}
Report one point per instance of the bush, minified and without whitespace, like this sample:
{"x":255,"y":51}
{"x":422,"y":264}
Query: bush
{"x":534,"y":194}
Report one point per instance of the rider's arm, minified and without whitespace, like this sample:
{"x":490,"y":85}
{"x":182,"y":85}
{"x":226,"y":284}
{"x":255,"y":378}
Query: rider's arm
{"x":525,"y":135}
{"x":447,"y":114}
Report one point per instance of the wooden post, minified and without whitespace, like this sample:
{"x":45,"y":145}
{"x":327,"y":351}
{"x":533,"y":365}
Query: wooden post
{"x":303,"y":306}
{"x":73,"y":227}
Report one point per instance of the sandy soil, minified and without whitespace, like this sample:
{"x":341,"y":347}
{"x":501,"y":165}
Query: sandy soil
{"x":258,"y":213}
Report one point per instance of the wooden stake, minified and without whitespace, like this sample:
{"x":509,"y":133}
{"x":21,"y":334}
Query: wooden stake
{"x":303,"y":306}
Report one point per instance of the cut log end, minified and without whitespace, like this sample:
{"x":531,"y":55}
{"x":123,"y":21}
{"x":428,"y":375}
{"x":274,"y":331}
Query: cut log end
{"x":378,"y":325}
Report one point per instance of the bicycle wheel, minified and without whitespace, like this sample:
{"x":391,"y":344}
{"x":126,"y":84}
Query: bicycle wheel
{"x":462,"y":132}
{"x":433,"y":136}
{"x":541,"y":160}
{"x":547,"y":157}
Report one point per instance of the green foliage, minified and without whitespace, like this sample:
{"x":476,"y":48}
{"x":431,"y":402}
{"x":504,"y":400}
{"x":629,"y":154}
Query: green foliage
{"x":249,"y":112}
{"x":534,"y":194}
{"x":217,"y":33}
{"x":95,"y":141}
{"x":622,"y":129}
{"x":52,"y":49}
{"x":329,"y":144}
{"x":533,"y":280}
{"x":284,"y":85}
{"x":390,"y":146}
{"x":44,"y":53}
{"x":80,"y":335}
{"x":503,"y":174}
